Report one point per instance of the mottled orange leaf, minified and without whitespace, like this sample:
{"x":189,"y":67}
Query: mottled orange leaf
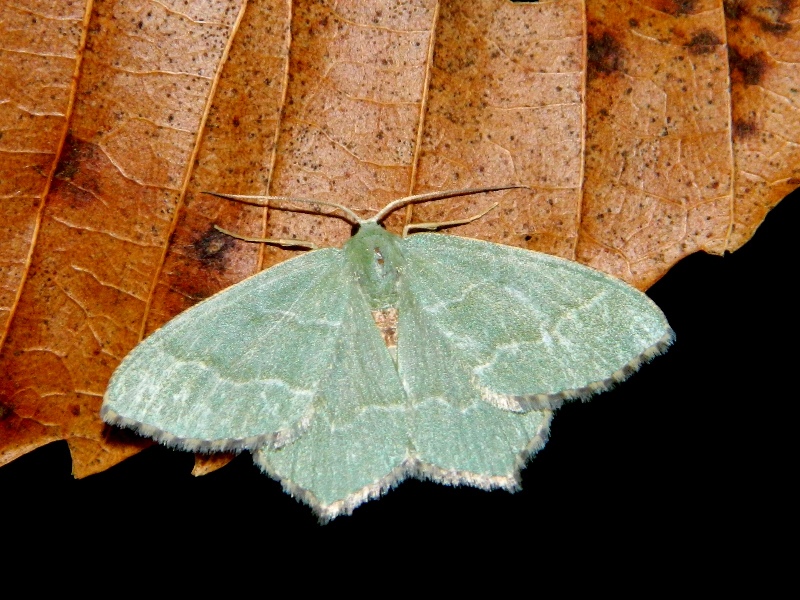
{"x":646,"y":131}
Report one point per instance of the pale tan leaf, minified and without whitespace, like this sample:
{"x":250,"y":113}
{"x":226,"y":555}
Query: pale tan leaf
{"x":645,"y":131}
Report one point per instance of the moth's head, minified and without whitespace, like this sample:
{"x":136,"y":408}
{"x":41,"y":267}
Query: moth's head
{"x":372,"y":243}
{"x":375,"y":257}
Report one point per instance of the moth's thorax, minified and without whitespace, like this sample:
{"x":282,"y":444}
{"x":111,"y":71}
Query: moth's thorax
{"x":375,"y":257}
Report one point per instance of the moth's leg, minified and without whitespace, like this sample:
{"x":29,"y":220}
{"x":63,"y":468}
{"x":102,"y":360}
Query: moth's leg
{"x":276,"y":241}
{"x":435,"y":226}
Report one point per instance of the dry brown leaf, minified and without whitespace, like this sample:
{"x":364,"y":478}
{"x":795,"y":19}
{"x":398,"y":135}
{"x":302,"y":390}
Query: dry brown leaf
{"x":115,"y":116}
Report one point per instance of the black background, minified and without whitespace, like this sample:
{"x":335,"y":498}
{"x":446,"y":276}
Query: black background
{"x":695,"y":452}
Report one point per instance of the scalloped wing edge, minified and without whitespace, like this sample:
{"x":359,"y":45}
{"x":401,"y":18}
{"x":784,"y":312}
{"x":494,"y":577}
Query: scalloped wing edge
{"x":413,"y":468}
{"x":527,"y":403}
{"x":275,"y":439}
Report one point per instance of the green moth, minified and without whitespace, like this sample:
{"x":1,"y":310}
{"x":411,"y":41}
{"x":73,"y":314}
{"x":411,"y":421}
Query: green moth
{"x":346,"y":370}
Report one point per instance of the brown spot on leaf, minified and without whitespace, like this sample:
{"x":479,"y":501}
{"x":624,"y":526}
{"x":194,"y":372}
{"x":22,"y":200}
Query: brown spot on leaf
{"x":605,"y":54}
{"x":769,"y":16}
{"x":784,"y":7}
{"x":74,"y":154}
{"x":790,"y":181}
{"x":776,"y":27}
{"x":211,"y":249}
{"x":75,"y":197}
{"x":703,"y":42}
{"x":676,"y":7}
{"x":734,"y":9}
{"x":749,"y":68}
{"x":771,"y":19}
{"x":743,"y":129}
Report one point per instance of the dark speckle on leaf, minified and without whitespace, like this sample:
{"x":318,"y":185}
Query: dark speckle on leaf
{"x":734,"y":9}
{"x":769,"y":15}
{"x":743,"y":129}
{"x":776,"y":28}
{"x":678,"y":7}
{"x":73,"y":154}
{"x":605,"y":54}
{"x":750,"y":68}
{"x":771,"y":19}
{"x":211,"y":249}
{"x":703,"y":42}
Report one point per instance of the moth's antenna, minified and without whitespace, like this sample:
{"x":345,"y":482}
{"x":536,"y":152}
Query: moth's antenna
{"x":265,"y":201}
{"x":392,"y":206}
